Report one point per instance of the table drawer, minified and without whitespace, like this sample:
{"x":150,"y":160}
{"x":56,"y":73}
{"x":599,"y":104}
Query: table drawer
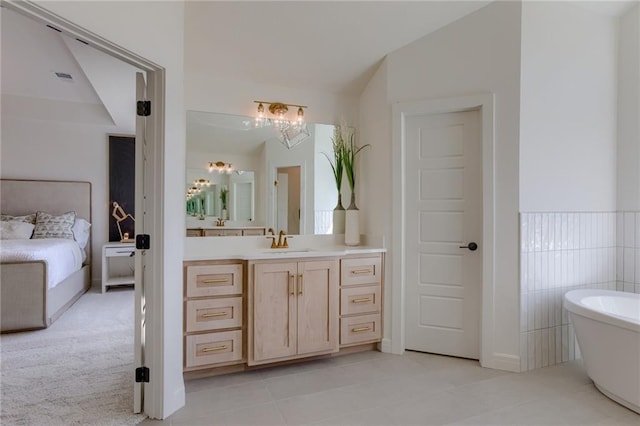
{"x":214,"y":314}
{"x":360,"y":329}
{"x":119,"y":251}
{"x":214,"y":280}
{"x":213,"y":348}
{"x":360,"y":300}
{"x":360,"y":271}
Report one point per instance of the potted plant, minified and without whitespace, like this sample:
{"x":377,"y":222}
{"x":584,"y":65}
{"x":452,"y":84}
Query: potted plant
{"x":352,"y":216}
{"x":224,"y":191}
{"x":337,"y":167}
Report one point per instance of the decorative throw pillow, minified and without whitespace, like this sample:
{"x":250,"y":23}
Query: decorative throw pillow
{"x":15,"y":230}
{"x":81,"y":232}
{"x":49,"y":226}
{"x":29,"y":218}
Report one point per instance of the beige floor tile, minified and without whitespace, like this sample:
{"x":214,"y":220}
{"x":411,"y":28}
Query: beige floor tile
{"x":210,"y":402}
{"x":221,"y":381}
{"x":370,"y":417}
{"x":257,"y":415}
{"x":307,"y":382}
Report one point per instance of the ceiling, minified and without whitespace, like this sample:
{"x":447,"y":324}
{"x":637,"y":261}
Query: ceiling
{"x":329,"y":46}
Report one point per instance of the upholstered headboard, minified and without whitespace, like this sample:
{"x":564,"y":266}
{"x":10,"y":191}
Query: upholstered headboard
{"x":21,"y":197}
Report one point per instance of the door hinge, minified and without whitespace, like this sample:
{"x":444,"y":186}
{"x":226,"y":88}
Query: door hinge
{"x":143,"y":242}
{"x":142,"y":375}
{"x":144,"y":108}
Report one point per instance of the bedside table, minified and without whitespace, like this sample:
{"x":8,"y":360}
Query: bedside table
{"x":117,"y":264}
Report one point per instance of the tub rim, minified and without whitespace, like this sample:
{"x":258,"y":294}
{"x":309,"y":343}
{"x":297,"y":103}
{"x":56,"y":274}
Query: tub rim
{"x":572,"y":303}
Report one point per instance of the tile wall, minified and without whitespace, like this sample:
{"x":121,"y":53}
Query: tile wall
{"x":561,"y":252}
{"x":628,"y":251}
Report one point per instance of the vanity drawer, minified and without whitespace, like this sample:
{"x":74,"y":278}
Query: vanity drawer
{"x":214,"y":280}
{"x":194,"y":232}
{"x":213,"y":348}
{"x":363,"y":328}
{"x":360,"y":300}
{"x":253,"y":231}
{"x":360,"y":271}
{"x":214,"y":314}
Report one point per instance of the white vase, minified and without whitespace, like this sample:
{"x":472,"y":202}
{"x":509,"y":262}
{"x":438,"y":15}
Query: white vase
{"x":224,"y":214}
{"x":339,"y":217}
{"x":352,"y":224}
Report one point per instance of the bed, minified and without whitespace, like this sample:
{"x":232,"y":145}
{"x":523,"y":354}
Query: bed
{"x":28,"y":300}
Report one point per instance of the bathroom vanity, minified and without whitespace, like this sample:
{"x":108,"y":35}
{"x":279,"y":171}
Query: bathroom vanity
{"x":268,"y":306}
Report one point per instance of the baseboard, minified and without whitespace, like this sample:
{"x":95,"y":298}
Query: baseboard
{"x":504,"y":362}
{"x":385,"y":346}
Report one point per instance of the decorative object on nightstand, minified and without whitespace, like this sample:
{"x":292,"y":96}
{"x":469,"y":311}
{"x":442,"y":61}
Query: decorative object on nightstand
{"x":117,"y":265}
{"x":120,"y":216}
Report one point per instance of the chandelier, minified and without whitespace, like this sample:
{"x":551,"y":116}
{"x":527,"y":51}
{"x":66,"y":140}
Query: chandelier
{"x":290,"y":132}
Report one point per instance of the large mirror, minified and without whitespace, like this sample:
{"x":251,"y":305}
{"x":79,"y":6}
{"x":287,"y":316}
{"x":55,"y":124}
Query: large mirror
{"x":247,"y":176}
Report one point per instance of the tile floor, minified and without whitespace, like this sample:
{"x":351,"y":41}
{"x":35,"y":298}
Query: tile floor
{"x":372,"y":388}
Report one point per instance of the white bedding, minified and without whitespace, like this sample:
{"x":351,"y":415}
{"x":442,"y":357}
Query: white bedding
{"x":63,"y":257}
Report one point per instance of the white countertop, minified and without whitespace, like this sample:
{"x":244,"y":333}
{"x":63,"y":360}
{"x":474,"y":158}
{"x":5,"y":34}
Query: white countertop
{"x":258,"y":248}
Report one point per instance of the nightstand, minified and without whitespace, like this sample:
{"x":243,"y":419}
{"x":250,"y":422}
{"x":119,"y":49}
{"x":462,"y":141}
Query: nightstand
{"x":117,"y":264}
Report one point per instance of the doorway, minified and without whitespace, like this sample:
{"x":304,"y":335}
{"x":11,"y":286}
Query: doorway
{"x":288,"y":199}
{"x":149,"y":205}
{"x":400,"y":256}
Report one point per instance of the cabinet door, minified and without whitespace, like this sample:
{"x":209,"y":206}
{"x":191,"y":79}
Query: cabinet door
{"x":274,"y":310}
{"x":317,"y":293}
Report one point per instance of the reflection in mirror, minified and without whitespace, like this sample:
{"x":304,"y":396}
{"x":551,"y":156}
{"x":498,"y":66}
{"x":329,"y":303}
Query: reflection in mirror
{"x":268,"y":185}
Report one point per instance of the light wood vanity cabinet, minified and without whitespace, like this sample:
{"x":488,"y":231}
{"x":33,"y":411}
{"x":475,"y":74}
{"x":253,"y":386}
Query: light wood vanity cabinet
{"x":248,"y":313}
{"x":360,"y":300}
{"x":213,"y":314}
{"x":294,"y":310}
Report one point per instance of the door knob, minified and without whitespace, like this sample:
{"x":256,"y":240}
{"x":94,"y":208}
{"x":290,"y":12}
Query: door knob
{"x":471,"y":246}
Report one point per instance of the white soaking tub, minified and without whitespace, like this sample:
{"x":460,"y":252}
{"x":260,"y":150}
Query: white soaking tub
{"x":607,"y":326}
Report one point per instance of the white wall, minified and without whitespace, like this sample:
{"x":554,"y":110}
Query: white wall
{"x":629,"y":112}
{"x":568,"y":109}
{"x":205,"y":92}
{"x":155,"y":31}
{"x":479,"y":53}
{"x":43,"y":149}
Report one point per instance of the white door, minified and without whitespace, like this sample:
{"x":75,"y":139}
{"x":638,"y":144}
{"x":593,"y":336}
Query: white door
{"x":139,"y":304}
{"x":443,"y":216}
{"x":282,"y":201}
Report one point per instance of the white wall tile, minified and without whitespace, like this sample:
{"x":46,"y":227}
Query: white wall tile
{"x":637,"y":230}
{"x":637,"y":265}
{"x":629,"y":229}
{"x":563,"y":251}
{"x":628,"y":268}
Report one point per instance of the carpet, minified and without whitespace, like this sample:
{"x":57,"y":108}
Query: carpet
{"x":79,"y":371}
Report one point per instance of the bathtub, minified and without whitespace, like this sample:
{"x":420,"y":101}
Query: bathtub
{"x":607,"y":326}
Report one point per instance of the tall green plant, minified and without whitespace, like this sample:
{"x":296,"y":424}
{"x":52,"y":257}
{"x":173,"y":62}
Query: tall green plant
{"x":349,"y":153}
{"x":223,"y":196}
{"x":337,"y":165}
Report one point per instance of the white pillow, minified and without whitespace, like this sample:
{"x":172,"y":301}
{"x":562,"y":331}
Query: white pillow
{"x":16,"y":230}
{"x":81,"y":232}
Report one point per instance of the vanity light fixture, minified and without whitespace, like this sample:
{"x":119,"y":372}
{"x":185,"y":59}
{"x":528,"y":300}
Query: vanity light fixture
{"x":290,"y":132}
{"x":220,"y":167}
{"x":202,"y":182}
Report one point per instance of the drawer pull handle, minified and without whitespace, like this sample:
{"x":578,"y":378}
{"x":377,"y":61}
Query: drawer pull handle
{"x":215,"y":280}
{"x":360,"y":329}
{"x":360,"y":271}
{"x":361,"y":300}
{"x":214,"y":314}
{"x":214,"y":349}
